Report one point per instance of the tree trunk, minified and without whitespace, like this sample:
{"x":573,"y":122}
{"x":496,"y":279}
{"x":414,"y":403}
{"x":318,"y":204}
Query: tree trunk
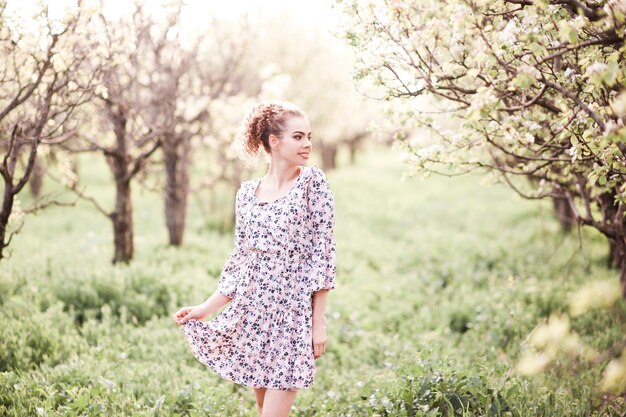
{"x":7,"y":207}
{"x":615,"y":258}
{"x":329,"y":156}
{"x":354,"y":144}
{"x":122,"y":219}
{"x":622,"y":273}
{"x":353,"y":148}
{"x":11,"y":189}
{"x":564,"y":213}
{"x":609,"y":211}
{"x":176,"y":155}
{"x":36,"y":178}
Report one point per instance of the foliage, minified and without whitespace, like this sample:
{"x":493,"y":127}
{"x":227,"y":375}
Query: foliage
{"x":390,"y":323}
{"x":535,"y":87}
{"x":537,"y":90}
{"x":46,"y":74}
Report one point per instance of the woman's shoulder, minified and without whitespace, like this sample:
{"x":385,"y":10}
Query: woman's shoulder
{"x":245,"y":187}
{"x":316,"y":174}
{"x":317,"y":183}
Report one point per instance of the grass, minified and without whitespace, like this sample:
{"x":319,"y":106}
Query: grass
{"x":439,"y":282}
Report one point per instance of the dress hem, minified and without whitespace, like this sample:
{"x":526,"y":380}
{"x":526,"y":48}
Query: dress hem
{"x":231,"y":379}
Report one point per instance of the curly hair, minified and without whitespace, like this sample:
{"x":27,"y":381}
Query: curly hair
{"x":265,"y":119}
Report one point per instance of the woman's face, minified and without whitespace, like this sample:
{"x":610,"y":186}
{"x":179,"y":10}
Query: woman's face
{"x":295,"y":143}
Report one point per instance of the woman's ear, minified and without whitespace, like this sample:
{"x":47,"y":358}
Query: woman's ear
{"x":273,"y":140}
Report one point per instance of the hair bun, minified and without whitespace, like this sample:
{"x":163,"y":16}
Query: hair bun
{"x":265,"y":119}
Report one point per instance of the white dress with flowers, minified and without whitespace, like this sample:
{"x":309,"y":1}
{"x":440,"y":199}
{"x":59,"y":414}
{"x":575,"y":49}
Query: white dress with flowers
{"x":284,"y":251}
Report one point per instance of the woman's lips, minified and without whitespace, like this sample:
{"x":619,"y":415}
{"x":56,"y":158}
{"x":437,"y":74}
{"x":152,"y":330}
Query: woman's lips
{"x":304,"y":155}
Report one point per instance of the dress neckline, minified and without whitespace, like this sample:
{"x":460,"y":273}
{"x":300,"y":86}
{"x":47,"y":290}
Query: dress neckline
{"x":293,"y":187}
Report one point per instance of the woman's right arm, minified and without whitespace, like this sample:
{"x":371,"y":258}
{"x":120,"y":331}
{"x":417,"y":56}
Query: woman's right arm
{"x":201,"y":311}
{"x":227,"y":284}
{"x":215,"y":302}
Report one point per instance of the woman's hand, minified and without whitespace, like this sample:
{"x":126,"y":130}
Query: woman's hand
{"x":213,"y":303}
{"x":319,"y":339}
{"x":198,"y":312}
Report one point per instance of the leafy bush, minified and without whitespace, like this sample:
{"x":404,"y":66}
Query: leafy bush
{"x":31,"y":337}
{"x":442,"y":392}
{"x":141,"y":296}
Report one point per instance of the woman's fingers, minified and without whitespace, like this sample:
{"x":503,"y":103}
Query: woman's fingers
{"x":191,"y":313}
{"x":182,"y":312}
{"x":187,"y":317}
{"x":181,"y":315}
{"x":319,"y":349}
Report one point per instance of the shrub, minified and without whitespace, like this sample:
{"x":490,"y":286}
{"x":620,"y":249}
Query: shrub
{"x":31,"y":337}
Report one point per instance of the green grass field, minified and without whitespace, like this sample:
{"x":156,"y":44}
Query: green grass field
{"x":439,"y":282}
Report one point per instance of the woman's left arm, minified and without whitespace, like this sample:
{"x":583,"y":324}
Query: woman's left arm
{"x":322,"y":275}
{"x":319,"y":322}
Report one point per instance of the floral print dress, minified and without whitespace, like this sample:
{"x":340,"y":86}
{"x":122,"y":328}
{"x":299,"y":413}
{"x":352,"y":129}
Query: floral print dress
{"x":284,"y":251}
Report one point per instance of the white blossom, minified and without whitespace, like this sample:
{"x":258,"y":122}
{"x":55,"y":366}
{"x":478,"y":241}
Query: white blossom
{"x":532,"y":125}
{"x":578,"y":22}
{"x":530,"y":70}
{"x":458,"y":18}
{"x":570,"y":74}
{"x":529,"y":137}
{"x":509,"y":33}
{"x":610,"y":127}
{"x":596,"y":68}
{"x":511,"y":135}
{"x":615,"y":5}
{"x":457,"y":137}
{"x":421,"y":83}
{"x":575,"y":152}
{"x":429,"y":151}
{"x":484,"y":97}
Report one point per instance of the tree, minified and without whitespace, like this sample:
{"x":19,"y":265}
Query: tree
{"x":45,"y":76}
{"x":123,"y":127}
{"x":310,"y":67}
{"x":204,"y":73}
{"x":537,"y":87}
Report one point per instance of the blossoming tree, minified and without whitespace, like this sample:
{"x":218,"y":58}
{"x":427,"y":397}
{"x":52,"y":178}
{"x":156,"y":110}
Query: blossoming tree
{"x":47,"y":72}
{"x":537,"y":88}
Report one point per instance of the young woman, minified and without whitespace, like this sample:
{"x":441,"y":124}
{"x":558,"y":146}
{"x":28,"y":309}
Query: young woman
{"x":279,"y":272}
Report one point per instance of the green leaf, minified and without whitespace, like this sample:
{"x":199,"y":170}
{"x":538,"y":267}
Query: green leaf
{"x":567,"y":33}
{"x":524,"y":80}
{"x":610,"y":74}
{"x":536,"y":48}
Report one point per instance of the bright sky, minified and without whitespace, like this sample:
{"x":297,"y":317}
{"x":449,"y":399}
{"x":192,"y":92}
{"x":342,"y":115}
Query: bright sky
{"x":195,"y":14}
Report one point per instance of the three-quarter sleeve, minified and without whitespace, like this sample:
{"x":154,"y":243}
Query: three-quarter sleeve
{"x":321,"y":204}
{"x":227,"y":283}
